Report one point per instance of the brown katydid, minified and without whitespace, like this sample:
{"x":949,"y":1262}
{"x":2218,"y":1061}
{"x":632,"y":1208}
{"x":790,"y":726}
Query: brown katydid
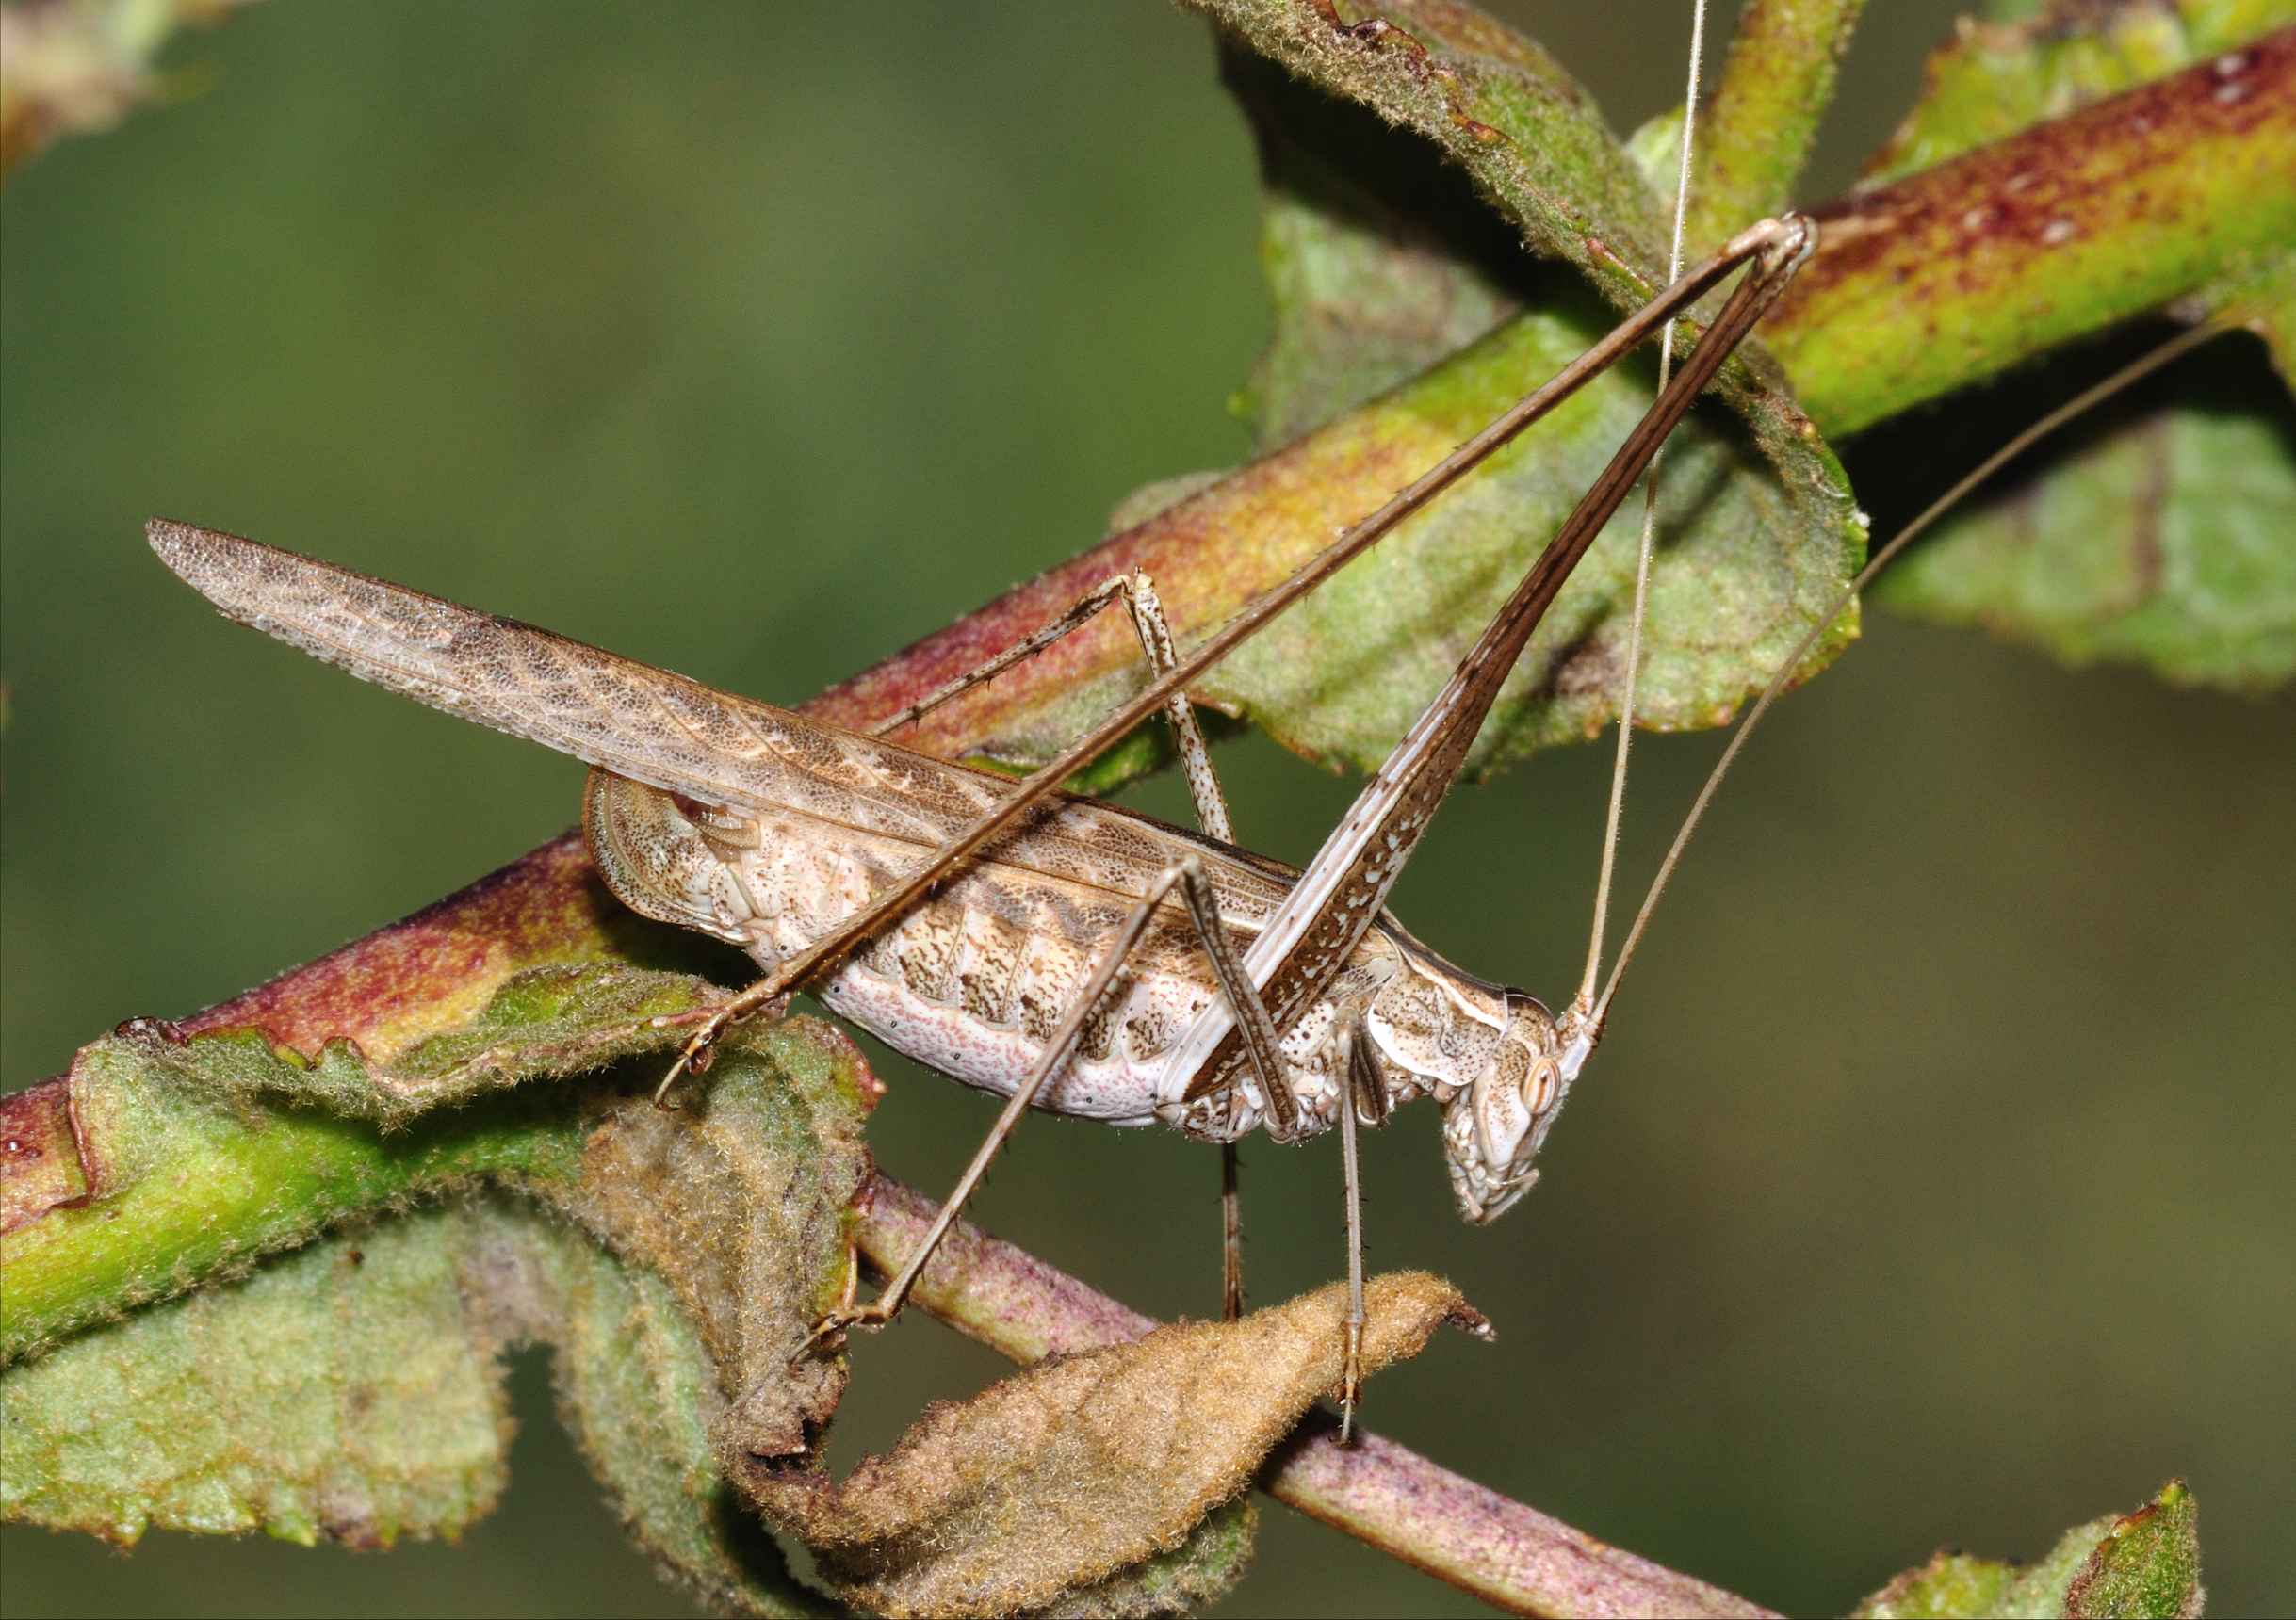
{"x":1008,"y":910}
{"x":798,"y":840}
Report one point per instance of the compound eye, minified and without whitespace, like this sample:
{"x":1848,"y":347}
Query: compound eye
{"x":1539,"y":1085}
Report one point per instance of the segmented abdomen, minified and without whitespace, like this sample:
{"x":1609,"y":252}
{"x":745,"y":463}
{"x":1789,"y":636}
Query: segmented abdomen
{"x":974,"y":981}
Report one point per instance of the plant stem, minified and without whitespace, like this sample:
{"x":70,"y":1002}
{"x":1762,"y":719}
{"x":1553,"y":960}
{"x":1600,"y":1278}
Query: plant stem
{"x":1776,"y":83}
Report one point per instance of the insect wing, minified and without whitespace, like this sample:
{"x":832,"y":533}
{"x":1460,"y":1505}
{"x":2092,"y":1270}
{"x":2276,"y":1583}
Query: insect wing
{"x":648,"y":724}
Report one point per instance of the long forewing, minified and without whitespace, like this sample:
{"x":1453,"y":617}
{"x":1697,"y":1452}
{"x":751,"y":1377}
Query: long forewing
{"x":639,"y":722}
{"x":676,"y":734}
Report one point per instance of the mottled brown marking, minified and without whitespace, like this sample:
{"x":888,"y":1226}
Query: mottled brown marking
{"x":927,"y":947}
{"x":989,"y":976}
{"x":1040,"y":1009}
{"x":796,"y":824}
{"x":1148,"y":1034}
{"x":1097,"y":1041}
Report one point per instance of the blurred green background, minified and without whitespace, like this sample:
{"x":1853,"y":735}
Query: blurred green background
{"x":1932,"y":1185}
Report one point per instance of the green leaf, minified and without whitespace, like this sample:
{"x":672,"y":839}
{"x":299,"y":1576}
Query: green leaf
{"x":210,"y":1149}
{"x":1382,"y":263}
{"x":636,"y":1386}
{"x":2162,"y":541}
{"x":1746,"y":565}
{"x":313,"y":1361}
{"x":2142,"y":1563}
{"x":249,"y":1406}
{"x":1374,"y":267}
{"x":1490,"y":100}
{"x":352,"y":1392}
{"x":2159,"y":534}
{"x":2119,"y":208}
{"x":350,"y":1389}
{"x":2148,"y":1563}
{"x":1380,"y":259}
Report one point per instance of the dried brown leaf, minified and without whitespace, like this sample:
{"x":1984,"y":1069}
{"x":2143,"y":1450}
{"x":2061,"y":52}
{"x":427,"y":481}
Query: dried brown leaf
{"x":1078,"y":1467}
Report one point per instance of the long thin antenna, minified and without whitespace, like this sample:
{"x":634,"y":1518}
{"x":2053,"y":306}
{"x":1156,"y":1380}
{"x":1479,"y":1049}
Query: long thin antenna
{"x":2085,"y":400}
{"x":1649,"y":528}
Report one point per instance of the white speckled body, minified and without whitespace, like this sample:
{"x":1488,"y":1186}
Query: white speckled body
{"x":974,"y":981}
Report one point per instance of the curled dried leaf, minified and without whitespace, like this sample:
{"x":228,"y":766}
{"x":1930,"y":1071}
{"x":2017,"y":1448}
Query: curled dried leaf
{"x":1071,"y":1470}
{"x":740,"y":1201}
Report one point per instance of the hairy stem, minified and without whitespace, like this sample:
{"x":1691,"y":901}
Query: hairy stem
{"x":1776,"y":84}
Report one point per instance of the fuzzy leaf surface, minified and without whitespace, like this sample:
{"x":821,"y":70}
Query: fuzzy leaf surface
{"x":351,"y":1389}
{"x":313,"y":1361}
{"x":2147,"y":1563}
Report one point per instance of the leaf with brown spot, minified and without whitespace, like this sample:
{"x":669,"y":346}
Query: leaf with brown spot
{"x":2157,"y":533}
{"x":2142,"y":1563}
{"x":2120,"y":207}
{"x":1992,"y":80}
{"x":211,"y":1148}
{"x":1061,"y":1475}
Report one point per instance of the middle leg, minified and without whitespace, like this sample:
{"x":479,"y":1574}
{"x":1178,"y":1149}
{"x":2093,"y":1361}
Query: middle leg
{"x":1137,"y":592}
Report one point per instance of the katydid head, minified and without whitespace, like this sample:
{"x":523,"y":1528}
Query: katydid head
{"x":1494,"y":1126}
{"x":1499,"y":1060}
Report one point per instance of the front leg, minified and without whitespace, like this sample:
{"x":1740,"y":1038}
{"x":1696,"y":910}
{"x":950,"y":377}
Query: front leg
{"x":1137,"y":592}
